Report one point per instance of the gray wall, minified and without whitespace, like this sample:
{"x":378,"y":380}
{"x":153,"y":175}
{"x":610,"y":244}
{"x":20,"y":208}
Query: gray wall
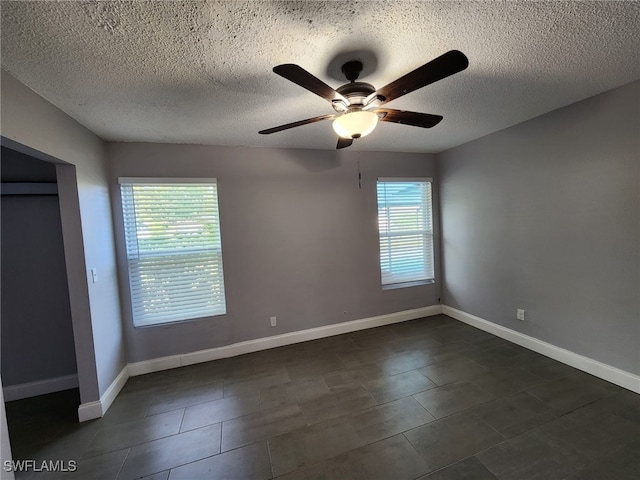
{"x":545,"y":216}
{"x":31,"y":124}
{"x":36,"y":331}
{"x":299,"y":239}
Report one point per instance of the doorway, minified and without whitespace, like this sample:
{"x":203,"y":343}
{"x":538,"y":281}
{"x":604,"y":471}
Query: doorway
{"x":37,"y":352}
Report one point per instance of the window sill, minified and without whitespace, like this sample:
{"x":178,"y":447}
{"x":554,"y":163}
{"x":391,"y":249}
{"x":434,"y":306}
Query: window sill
{"x":418,"y":283}
{"x":174,"y":323}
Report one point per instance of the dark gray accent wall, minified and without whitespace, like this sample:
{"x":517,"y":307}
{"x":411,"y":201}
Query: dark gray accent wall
{"x":299,"y":239}
{"x":545,"y":216}
{"x":18,"y":167}
{"x":37,"y":336}
{"x":36,"y":332}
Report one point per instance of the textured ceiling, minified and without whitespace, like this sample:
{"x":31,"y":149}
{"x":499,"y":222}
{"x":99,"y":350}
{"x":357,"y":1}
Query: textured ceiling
{"x":200,"y":72}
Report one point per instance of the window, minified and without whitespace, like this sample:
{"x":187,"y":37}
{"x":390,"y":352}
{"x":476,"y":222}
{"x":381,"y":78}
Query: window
{"x":174,"y":252}
{"x":406,"y":231}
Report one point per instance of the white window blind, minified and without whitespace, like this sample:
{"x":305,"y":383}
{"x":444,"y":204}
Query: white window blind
{"x":406,"y":230}
{"x":174,"y":252}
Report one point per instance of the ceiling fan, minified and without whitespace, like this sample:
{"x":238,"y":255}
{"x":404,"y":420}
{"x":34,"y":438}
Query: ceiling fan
{"x":357,"y":104}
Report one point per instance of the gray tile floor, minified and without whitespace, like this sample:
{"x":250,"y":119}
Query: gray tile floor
{"x":430,"y":399}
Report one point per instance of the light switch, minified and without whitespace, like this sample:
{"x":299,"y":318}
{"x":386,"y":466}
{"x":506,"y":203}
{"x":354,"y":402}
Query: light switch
{"x":94,"y":275}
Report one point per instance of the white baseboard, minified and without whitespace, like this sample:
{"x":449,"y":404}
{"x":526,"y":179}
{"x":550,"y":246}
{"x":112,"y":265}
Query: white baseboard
{"x":114,"y":389}
{"x":156,"y":365}
{"x":39,"y":387}
{"x":92,"y":410}
{"x":175,"y":361}
{"x":611,"y":374}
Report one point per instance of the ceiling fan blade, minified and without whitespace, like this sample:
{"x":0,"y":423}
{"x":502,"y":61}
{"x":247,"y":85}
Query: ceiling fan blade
{"x":344,"y":142}
{"x":300,"y":76}
{"x":424,"y":120}
{"x":295,"y":124}
{"x":437,"y":69}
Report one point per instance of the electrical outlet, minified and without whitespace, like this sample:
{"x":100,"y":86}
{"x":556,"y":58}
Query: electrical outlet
{"x":520,"y":314}
{"x":274,"y":321}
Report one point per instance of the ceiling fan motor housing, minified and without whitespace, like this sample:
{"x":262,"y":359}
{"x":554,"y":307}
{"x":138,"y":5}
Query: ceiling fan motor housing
{"x":356,"y":93}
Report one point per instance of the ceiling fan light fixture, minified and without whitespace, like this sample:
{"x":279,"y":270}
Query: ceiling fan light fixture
{"x":357,"y":103}
{"x":355,"y":124}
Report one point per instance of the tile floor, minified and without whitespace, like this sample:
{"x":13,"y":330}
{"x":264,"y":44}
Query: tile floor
{"x":429,"y":399}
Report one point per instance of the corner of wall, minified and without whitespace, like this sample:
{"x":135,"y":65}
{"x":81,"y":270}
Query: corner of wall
{"x":33,"y":123}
